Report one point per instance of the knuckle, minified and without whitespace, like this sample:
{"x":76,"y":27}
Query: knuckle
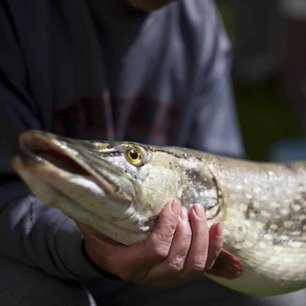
{"x":176,"y":264}
{"x":161,"y":241}
{"x":161,"y":250}
{"x":164,"y":234}
{"x":198,"y":263}
{"x":188,"y":237}
{"x":169,"y":230}
{"x":185,"y":232}
{"x":198,"y":266}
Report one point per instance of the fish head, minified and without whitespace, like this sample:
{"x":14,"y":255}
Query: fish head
{"x":116,"y":187}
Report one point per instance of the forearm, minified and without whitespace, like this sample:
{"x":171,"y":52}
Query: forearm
{"x":40,"y":236}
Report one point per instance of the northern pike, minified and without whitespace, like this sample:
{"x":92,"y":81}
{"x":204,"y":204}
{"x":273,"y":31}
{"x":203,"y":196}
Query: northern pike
{"x":120,"y":188}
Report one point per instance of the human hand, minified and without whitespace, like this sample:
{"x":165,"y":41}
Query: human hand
{"x":179,"y":248}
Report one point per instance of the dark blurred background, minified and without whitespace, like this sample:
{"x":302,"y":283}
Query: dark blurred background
{"x":269,"y":73}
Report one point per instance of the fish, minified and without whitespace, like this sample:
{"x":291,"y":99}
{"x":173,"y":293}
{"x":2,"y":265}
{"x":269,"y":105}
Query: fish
{"x":119,"y":188}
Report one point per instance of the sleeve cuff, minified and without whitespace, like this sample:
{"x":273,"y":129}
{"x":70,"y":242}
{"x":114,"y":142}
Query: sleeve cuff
{"x":70,"y":247}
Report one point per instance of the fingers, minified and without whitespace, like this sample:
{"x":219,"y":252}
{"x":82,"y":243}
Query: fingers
{"x":174,"y":262}
{"x":137,"y":260}
{"x":215,"y":244}
{"x":157,"y":246}
{"x":197,"y":256}
{"x":180,"y":243}
{"x":180,"y":247}
{"x":133,"y":262}
{"x":194,"y":249}
{"x":188,"y":253}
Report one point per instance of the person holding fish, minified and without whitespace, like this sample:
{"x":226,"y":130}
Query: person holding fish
{"x":152,"y":71}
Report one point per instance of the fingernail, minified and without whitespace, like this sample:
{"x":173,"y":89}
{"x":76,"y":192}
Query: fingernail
{"x":219,"y":228}
{"x":176,"y":206}
{"x":184,"y":214}
{"x":199,"y":211}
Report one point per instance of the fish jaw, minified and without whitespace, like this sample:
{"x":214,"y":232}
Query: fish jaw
{"x":38,"y":148}
{"x":84,"y":193}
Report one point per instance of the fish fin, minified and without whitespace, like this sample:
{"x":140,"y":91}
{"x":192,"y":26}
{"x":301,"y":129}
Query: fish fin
{"x":227,"y":266}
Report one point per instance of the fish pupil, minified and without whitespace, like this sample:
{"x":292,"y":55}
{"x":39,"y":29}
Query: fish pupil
{"x":133,"y":154}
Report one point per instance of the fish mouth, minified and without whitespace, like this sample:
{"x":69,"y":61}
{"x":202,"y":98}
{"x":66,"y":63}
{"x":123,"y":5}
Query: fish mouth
{"x":38,"y":148}
{"x":45,"y":151}
{"x":61,"y":173}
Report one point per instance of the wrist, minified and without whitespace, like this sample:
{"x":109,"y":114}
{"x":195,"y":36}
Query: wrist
{"x":101,"y":271}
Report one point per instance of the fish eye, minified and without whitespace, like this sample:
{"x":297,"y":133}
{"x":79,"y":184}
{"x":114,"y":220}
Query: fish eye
{"x":134,"y":156}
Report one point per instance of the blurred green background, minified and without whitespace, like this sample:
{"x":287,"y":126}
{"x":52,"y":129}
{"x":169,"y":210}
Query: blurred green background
{"x":265,"y":115}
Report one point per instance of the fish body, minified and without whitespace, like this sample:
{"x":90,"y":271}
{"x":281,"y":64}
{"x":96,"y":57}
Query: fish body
{"x":121,"y":187}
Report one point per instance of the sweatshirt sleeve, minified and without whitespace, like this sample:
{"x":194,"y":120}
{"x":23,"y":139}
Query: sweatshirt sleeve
{"x":216,"y":127}
{"x":31,"y":233}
